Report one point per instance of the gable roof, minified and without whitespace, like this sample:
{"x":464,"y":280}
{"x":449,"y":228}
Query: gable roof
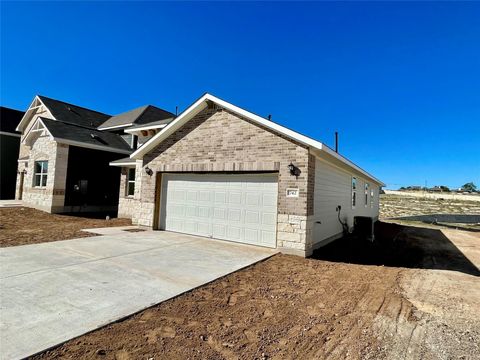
{"x":85,"y":137}
{"x":9,"y":119}
{"x":73,"y":114}
{"x":202,"y":103}
{"x":139,"y":116}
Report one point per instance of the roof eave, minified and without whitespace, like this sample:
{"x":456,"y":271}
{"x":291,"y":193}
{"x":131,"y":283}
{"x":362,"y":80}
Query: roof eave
{"x":91,"y":146}
{"x":201,"y":104}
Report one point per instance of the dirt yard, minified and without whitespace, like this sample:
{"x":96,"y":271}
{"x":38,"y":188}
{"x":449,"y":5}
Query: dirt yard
{"x":23,"y":226}
{"x":412,"y":294}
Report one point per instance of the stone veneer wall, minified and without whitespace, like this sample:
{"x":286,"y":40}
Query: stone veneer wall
{"x":50,"y":198}
{"x":127,"y":205}
{"x":218,"y":140}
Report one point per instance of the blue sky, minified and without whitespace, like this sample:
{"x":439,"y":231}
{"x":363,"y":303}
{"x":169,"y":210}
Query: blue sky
{"x":399,"y":81}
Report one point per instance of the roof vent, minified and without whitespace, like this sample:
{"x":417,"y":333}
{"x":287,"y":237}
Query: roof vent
{"x":98,"y":138}
{"x":72,"y":110}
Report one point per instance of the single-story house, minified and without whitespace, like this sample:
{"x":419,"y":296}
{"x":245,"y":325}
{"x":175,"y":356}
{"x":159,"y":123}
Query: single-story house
{"x":65,"y":151}
{"x":9,"y":147}
{"x":223,"y":172}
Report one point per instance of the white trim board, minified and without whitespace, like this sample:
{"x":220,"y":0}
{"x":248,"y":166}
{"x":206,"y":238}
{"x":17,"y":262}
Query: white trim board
{"x":31,"y":111}
{"x":201,"y":104}
{"x":143,"y":128}
{"x":115,"y":127}
{"x":123,"y":164}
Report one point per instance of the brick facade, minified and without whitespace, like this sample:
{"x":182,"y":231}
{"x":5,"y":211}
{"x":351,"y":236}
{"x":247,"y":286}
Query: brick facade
{"x":217,"y":140}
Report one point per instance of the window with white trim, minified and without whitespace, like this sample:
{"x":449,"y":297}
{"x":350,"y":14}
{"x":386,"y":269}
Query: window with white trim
{"x":40,"y":175}
{"x":366,"y":194}
{"x":131,"y":182}
{"x":372,"y":195}
{"x":354,"y":192}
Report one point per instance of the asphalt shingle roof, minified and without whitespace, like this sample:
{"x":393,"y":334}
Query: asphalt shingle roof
{"x":85,"y":135}
{"x":73,"y":114}
{"x":139,"y":116}
{"x":9,"y":119}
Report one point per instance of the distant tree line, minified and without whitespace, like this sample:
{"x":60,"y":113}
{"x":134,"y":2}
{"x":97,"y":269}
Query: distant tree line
{"x":468,"y":187}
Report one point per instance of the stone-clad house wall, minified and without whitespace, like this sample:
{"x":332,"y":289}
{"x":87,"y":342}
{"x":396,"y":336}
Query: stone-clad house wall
{"x":126,"y":204}
{"x":50,"y":198}
{"x":218,"y":140}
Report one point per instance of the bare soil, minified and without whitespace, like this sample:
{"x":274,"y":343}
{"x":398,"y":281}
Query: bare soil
{"x":23,"y":226}
{"x":412,"y":294}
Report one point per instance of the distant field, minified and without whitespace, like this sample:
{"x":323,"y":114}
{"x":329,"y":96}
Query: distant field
{"x":395,"y":204}
{"x":435,"y":196}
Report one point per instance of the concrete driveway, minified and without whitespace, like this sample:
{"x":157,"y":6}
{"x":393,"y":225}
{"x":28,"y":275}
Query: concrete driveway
{"x":55,"y":291}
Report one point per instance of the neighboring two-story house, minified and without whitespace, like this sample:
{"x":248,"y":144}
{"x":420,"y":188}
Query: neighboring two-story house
{"x":9,"y":146}
{"x":65,"y":151}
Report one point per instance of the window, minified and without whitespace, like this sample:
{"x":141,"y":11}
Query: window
{"x":354,"y":192}
{"x":371,"y":198}
{"x":131,"y":182}
{"x":366,"y":194}
{"x":40,"y":175}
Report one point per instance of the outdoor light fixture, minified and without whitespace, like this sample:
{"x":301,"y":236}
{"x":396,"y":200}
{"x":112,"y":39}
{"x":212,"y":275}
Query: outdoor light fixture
{"x":149,"y":171}
{"x":294,"y":171}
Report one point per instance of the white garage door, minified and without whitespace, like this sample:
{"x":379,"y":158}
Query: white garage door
{"x":239,"y":208}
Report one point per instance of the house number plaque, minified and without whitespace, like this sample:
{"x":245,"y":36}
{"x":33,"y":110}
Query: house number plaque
{"x":292,"y":192}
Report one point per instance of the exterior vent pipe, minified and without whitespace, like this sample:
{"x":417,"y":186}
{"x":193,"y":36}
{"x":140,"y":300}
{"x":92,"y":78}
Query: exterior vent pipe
{"x":336,"y":141}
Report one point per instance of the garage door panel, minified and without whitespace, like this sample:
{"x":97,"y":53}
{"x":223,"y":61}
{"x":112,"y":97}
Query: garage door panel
{"x":192,"y":195}
{"x":220,"y":214}
{"x":234,"y":215}
{"x":190,"y":227}
{"x":174,"y":224}
{"x":251,"y":217}
{"x":219,"y":231}
{"x":252,"y":199}
{"x":220,"y":197}
{"x":269,"y":200}
{"x":268,"y":237}
{"x":179,"y":195}
{"x":203,"y":212}
{"x":239,"y":208}
{"x":204,"y":195}
{"x":235,"y":198}
{"x":269,"y":219}
{"x":191,"y":211}
{"x":203,"y":228}
{"x":251,"y":235}
{"x":234,"y":233}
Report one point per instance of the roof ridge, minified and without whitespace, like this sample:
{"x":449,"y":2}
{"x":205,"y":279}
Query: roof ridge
{"x":159,"y":108}
{"x":9,"y":108}
{"x":78,"y":106}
